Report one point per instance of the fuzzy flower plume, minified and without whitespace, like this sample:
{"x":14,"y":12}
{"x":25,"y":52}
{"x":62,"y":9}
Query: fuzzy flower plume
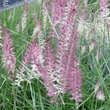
{"x":67,"y":63}
{"x":48,"y":76}
{"x":71,"y":71}
{"x":36,"y":53}
{"x":45,"y":16}
{"x":8,"y":54}
{"x":47,"y":81}
{"x":66,"y":29}
{"x":44,"y":71}
{"x":26,"y":59}
{"x":36,"y":30}
{"x":0,"y":29}
{"x":105,"y":11}
{"x":58,"y":10}
{"x":24,"y":15}
{"x":41,"y":40}
{"x":100,"y":95}
{"x":104,"y":4}
{"x":1,"y":33}
{"x":85,"y":3}
{"x":33,"y":53}
{"x":34,"y":57}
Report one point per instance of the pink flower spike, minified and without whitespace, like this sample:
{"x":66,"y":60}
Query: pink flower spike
{"x":85,"y":3}
{"x":97,"y":86}
{"x":103,"y":4}
{"x":36,"y":30}
{"x":58,"y":10}
{"x":32,"y":55}
{"x":104,"y":10}
{"x":24,"y":16}
{"x":8,"y":54}
{"x":100,"y":95}
{"x":25,"y":6}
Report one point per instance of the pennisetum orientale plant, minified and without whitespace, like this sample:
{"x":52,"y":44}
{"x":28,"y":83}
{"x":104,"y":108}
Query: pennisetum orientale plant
{"x":59,"y":71}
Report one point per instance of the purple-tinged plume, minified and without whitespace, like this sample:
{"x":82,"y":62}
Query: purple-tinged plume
{"x":47,"y":81}
{"x":85,"y":3}
{"x":58,"y":10}
{"x":8,"y":54}
{"x":45,"y":71}
{"x":104,"y":10}
{"x":36,"y":30}
{"x":24,"y":15}
{"x":45,"y":15}
{"x":36,"y":53}
{"x":34,"y":57}
{"x":67,"y":63}
{"x":33,"y":53}
{"x":104,"y":4}
{"x":71,"y":71}
{"x":66,"y":31}
{"x":1,"y":31}
{"x":26,"y":58}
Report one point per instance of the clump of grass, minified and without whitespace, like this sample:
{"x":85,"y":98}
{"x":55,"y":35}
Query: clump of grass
{"x":94,"y":63}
